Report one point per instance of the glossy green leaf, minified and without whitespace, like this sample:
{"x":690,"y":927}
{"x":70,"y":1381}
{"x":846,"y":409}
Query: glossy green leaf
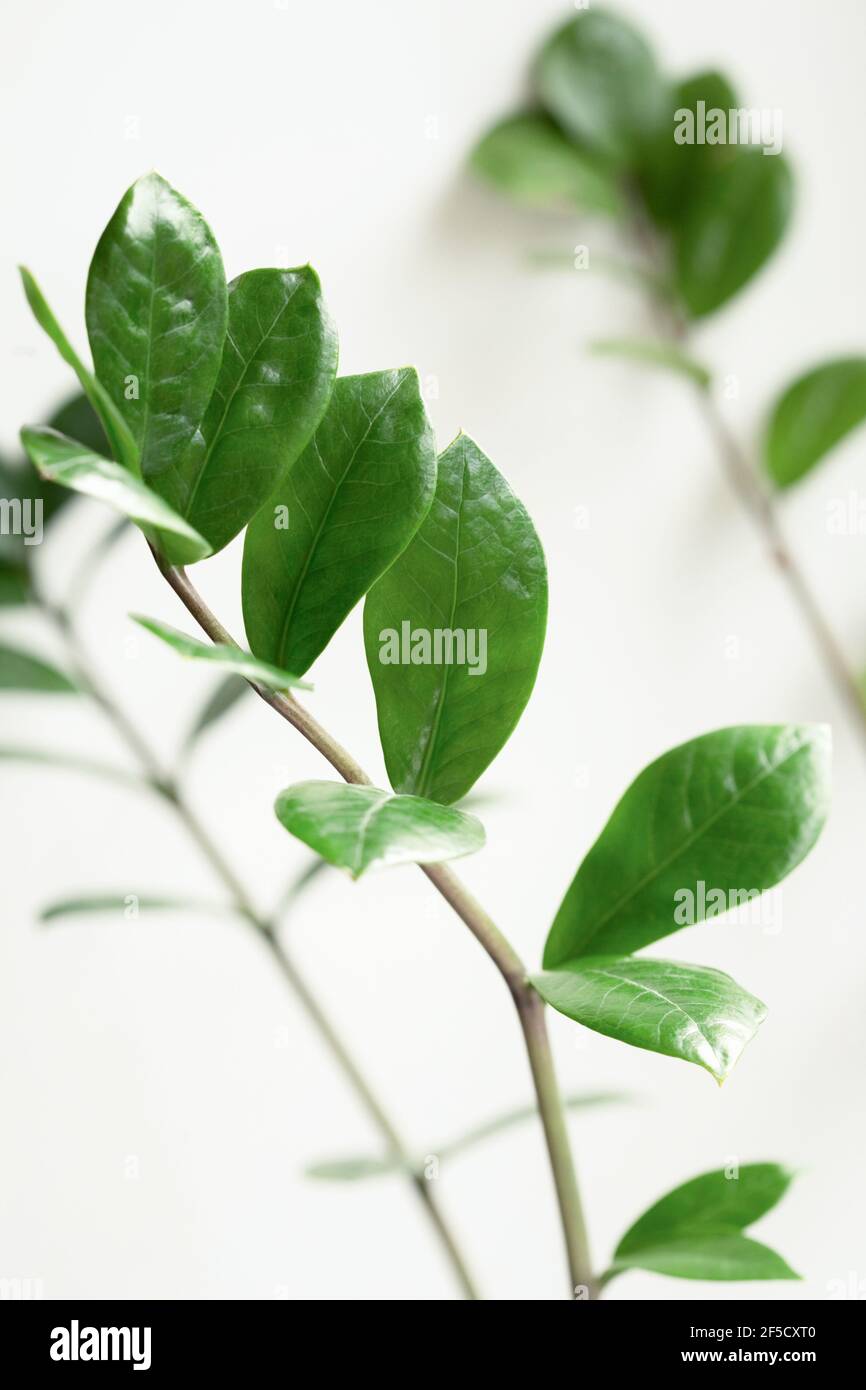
{"x":597,"y":77}
{"x":467,"y":602}
{"x":20,"y":670}
{"x":732,"y":226}
{"x":124,"y":905}
{"x":688,"y":1011}
{"x":275,"y":380}
{"x":156,"y":317}
{"x":63,"y":461}
{"x":349,"y":506}
{"x":672,"y":168}
{"x":814,"y":414}
{"x":225,"y":696}
{"x":220,"y":654}
{"x":120,"y":437}
{"x":527,"y":157}
{"x":695,"y":1231}
{"x":357,"y":828}
{"x":702,"y":829}
{"x":654,"y":353}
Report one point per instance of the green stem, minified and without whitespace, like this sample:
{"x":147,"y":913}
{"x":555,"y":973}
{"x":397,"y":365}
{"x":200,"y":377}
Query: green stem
{"x":529,"y":1005}
{"x":266,"y":931}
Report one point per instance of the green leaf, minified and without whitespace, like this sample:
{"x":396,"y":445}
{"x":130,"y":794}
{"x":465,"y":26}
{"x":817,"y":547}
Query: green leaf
{"x":702,"y":829}
{"x":220,"y":654}
{"x":21,"y":671}
{"x":156,"y":318}
{"x":527,"y":157}
{"x":121,"y":904}
{"x":812,"y":415}
{"x":732,"y":226}
{"x":349,"y":506}
{"x":670,"y":172}
{"x":77,"y":419}
{"x":61,"y":460}
{"x":654,"y":354}
{"x":688,"y":1011}
{"x":47,"y":758}
{"x":694,"y":1232}
{"x":357,"y":827}
{"x":224,"y":698}
{"x":597,"y":77}
{"x":583,"y":1100}
{"x":14,"y":581}
{"x":122,"y":443}
{"x":276,"y":378}
{"x":468,"y":599}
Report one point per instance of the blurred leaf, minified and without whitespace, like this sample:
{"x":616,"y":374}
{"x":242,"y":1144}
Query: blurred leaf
{"x":123,"y":445}
{"x":688,"y":1011}
{"x":14,"y":580}
{"x":654,"y":354}
{"x":77,"y":418}
{"x":120,"y":904}
{"x":597,"y":77}
{"x":812,"y":415}
{"x":732,"y":226}
{"x":71,"y":763}
{"x":733,"y":812}
{"x":527,"y":157}
{"x":352,"y":502}
{"x":475,"y":571}
{"x":359,"y":827}
{"x":156,"y":318}
{"x":583,"y":1100}
{"x":223,"y":698}
{"x":671,"y":173}
{"x":61,"y":460}
{"x":218,"y":654}
{"x":694,"y":1232}
{"x":298,"y":884}
{"x":21,"y":671}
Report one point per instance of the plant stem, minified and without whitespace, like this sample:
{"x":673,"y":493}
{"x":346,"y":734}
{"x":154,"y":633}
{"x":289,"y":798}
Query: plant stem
{"x":267,"y":932}
{"x":530,"y":1006}
{"x":756,"y":498}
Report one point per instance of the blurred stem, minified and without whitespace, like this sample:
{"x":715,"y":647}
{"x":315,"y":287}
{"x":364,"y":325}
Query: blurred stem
{"x":530,"y":1007}
{"x":755,"y":496}
{"x":265,"y":928}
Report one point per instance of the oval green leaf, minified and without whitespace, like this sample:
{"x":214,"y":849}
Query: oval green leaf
{"x":356,"y":828}
{"x":703,"y":829}
{"x":220,"y":654}
{"x":349,"y":506}
{"x":688,"y":1011}
{"x":527,"y":157}
{"x":676,"y":160}
{"x":156,"y":318}
{"x":454,"y":631}
{"x":63,"y":461}
{"x":21,"y":670}
{"x":814,"y":414}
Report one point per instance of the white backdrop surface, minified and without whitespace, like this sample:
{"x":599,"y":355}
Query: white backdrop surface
{"x":161,"y":1092}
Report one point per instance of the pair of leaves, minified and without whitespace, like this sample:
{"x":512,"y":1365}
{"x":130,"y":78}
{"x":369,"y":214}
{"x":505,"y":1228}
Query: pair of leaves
{"x":696,"y":1231}
{"x":733,"y":811}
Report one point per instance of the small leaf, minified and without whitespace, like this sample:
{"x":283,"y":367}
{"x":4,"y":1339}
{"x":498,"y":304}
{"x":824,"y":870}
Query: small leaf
{"x":356,"y":827}
{"x":454,"y":631}
{"x":121,"y":903}
{"x":527,"y":157}
{"x":354,"y":1169}
{"x":597,"y":77}
{"x":694,"y":1232}
{"x":275,"y":380}
{"x":122,"y":443}
{"x":349,"y":506}
{"x":156,"y":318}
{"x":702,"y":829}
{"x":584,"y":1100}
{"x":732,"y":226}
{"x":224,"y":698}
{"x":232,"y":659}
{"x":21,"y":671}
{"x":654,"y":354}
{"x":47,"y":758}
{"x":62,"y":461}
{"x":812,"y":415}
{"x":687,"y":1011}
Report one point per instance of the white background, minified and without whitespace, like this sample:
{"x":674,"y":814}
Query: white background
{"x":336,"y":132}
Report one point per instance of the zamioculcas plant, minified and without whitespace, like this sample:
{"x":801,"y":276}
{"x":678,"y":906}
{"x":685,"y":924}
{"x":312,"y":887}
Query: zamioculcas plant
{"x":698,"y":184}
{"x":338,"y":485}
